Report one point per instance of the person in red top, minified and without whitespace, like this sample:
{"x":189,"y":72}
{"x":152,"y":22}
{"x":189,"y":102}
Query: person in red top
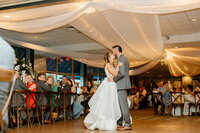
{"x":32,"y":86}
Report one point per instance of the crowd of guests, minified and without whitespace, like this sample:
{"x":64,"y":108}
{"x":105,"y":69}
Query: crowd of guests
{"x":144,"y":97}
{"x":43,"y":83}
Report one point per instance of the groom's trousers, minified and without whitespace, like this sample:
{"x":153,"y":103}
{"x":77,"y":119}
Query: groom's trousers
{"x":123,"y":103}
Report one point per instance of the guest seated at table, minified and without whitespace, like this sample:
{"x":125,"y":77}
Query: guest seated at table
{"x":192,"y":88}
{"x":32,"y":86}
{"x":19,"y":85}
{"x":54,"y":88}
{"x":77,"y":108}
{"x":165,"y":89}
{"x":42,"y":86}
{"x":143,"y":98}
{"x":89,"y":89}
{"x":65,"y":87}
{"x":134,"y":98}
{"x":190,"y":99}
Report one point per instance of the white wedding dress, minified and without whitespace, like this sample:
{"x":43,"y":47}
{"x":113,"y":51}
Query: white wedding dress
{"x":104,"y":107}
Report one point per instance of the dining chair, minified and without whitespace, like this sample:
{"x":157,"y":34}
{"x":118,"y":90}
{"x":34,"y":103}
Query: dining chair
{"x":177,"y":101}
{"x":8,"y":76}
{"x":158,"y":102}
{"x":197,"y":100}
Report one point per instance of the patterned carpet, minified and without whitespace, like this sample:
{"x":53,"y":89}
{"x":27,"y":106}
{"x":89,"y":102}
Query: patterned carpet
{"x":148,"y":114}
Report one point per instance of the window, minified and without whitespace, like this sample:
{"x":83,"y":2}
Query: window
{"x":64,"y":65}
{"x":51,"y":64}
{"x":77,"y":68}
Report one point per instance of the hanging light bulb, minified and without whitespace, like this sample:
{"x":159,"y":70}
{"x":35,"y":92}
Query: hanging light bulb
{"x":90,"y":10}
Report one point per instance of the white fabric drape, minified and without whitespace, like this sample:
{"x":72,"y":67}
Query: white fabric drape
{"x":149,"y":6}
{"x":183,"y":61}
{"x":144,"y":68}
{"x":54,"y":51}
{"x":133,"y":24}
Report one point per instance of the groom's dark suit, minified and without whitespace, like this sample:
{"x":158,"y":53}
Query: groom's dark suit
{"x":123,"y":84}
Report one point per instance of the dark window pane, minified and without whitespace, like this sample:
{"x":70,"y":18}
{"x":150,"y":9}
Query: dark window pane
{"x":64,"y":65}
{"x":51,"y":64}
{"x":101,"y":70}
{"x":20,"y":52}
{"x":77,"y":68}
{"x":95,"y":70}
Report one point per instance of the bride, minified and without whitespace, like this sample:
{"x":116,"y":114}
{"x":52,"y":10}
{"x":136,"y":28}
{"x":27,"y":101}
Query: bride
{"x":104,"y":106}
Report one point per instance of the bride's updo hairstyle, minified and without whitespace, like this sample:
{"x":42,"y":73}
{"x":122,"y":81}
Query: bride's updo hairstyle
{"x":106,"y":56}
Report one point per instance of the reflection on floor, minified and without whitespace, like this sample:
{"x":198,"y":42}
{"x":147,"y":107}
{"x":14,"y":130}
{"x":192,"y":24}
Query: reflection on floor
{"x":144,"y":121}
{"x":148,"y":114}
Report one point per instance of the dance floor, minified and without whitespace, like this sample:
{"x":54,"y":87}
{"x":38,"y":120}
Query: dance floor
{"x":146,"y":125}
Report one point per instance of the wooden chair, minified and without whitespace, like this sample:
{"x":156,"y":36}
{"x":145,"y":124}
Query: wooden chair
{"x":54,"y":96}
{"x":10,"y":77}
{"x":158,"y":101}
{"x":32,"y":108}
{"x":197,"y":100}
{"x":67,"y":105}
{"x":85,"y":101}
{"x":45,"y":107}
{"x":177,"y":101}
{"x":22,"y":107}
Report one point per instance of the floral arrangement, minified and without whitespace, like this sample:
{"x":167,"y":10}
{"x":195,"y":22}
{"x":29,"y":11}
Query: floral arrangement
{"x":22,"y":65}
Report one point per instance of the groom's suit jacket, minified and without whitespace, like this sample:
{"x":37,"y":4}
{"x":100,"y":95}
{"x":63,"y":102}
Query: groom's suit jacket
{"x":122,"y":79}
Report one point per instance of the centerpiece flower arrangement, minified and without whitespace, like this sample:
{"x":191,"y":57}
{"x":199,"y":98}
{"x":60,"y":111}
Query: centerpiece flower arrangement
{"x":23,"y":67}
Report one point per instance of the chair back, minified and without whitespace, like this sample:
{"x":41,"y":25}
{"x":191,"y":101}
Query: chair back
{"x":197,"y":97}
{"x":10,"y":77}
{"x":157,"y":97}
{"x":176,"y":98}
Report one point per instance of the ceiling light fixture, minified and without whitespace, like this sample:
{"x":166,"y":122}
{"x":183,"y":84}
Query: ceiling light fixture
{"x":194,"y":20}
{"x":6,"y":16}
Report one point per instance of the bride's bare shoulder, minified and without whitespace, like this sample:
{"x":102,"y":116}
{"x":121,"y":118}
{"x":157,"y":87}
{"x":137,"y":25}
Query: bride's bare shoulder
{"x":107,"y":65}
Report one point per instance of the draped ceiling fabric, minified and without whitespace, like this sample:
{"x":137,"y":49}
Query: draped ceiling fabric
{"x":133,"y":24}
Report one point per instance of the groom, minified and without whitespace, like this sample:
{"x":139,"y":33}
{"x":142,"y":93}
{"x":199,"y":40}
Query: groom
{"x":123,"y":84}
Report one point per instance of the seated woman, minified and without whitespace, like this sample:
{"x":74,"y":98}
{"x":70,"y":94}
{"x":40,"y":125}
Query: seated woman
{"x":54,"y":88}
{"x":191,"y":89}
{"x":142,"y":98}
{"x":89,"y":89}
{"x":77,"y":108}
{"x":32,"y":86}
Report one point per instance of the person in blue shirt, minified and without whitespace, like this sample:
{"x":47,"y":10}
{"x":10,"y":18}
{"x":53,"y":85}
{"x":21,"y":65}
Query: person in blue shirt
{"x":165,"y":89}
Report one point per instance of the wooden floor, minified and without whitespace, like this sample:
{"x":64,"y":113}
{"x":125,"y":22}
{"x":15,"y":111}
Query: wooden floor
{"x":139,"y":126}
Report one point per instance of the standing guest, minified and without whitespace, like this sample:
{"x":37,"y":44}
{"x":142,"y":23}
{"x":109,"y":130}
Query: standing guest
{"x":32,"y":86}
{"x":7,"y":57}
{"x":165,"y":89}
{"x":42,"y":86}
